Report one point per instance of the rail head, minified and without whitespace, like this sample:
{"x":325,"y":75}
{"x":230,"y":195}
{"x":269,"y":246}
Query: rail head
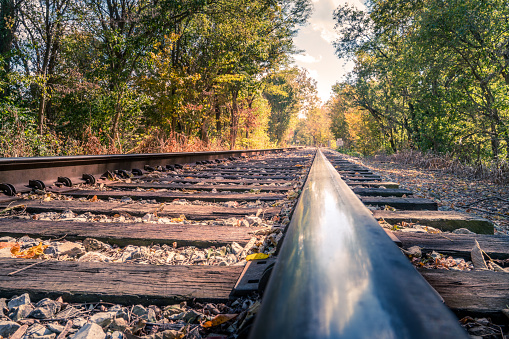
{"x":18,"y":171}
{"x":338,"y":275}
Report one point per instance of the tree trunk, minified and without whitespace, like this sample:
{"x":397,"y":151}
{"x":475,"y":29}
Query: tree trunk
{"x":234,"y":119}
{"x":6,"y":40}
{"x":42,"y":108}
{"x":217,"y":110}
{"x":203,"y":131}
{"x":116,"y":119}
{"x":495,"y":143}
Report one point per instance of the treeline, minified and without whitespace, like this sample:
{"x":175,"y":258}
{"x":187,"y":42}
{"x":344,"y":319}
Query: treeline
{"x":133,"y":75}
{"x":431,"y":75}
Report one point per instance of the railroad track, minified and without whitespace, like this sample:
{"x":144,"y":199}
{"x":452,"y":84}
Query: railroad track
{"x":205,"y":232}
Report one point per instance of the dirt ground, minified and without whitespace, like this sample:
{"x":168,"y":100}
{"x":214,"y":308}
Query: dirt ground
{"x":450,"y":191}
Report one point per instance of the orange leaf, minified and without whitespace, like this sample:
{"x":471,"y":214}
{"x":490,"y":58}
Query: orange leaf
{"x":94,"y":198}
{"x":218,"y":320}
{"x":7,"y":244}
{"x":31,"y":253}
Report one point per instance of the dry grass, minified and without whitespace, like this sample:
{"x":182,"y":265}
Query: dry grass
{"x":494,"y":172}
{"x":157,"y":142}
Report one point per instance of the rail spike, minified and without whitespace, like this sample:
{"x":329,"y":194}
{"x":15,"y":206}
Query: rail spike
{"x":65,"y":180}
{"x":36,"y":184}
{"x":88,"y":178}
{"x":8,"y":189}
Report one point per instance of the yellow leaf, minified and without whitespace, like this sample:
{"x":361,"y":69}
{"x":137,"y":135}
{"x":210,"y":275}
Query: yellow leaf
{"x":31,"y":253}
{"x":218,"y":320}
{"x":257,"y":256}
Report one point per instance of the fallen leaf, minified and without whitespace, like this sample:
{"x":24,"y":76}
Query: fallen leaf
{"x":7,"y":244}
{"x":93,"y":199}
{"x":218,"y":320}
{"x":478,"y":258}
{"x":256,"y":256}
{"x":31,"y":253}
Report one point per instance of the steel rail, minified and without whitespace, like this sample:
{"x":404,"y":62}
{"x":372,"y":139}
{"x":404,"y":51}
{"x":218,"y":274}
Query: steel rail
{"x":18,"y":171}
{"x":338,"y":275}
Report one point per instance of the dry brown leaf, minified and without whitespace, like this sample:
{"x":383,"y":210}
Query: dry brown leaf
{"x":478,"y":258}
{"x":218,"y":320}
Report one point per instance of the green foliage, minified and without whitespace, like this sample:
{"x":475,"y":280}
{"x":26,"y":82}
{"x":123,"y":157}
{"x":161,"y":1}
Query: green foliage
{"x":433,"y":75}
{"x":19,"y":136}
{"x":288,"y":92}
{"x":349,"y":152}
{"x":107,"y":74}
{"x":313,"y":129}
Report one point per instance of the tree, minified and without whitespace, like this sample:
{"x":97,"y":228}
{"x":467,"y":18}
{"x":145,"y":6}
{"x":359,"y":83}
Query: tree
{"x":433,"y":74}
{"x":288,"y":92}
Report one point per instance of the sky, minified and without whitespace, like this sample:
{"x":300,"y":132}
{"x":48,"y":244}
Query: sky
{"x":315,"y":40}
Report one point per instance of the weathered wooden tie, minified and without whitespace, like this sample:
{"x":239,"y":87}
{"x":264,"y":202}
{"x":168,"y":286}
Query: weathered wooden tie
{"x":123,"y":234}
{"x":472,"y":293}
{"x":117,"y":283}
{"x":382,"y":192}
{"x":401,"y":203}
{"x":457,"y":245}
{"x":170,"y":196}
{"x":191,"y":212}
{"x":231,"y":188}
{"x":443,"y":220}
{"x":386,"y":184}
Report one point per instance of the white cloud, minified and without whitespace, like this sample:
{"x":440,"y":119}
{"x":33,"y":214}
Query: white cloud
{"x":307,"y":58}
{"x":313,"y":73}
{"x":358,"y":3}
{"x":326,"y":31}
{"x":316,"y":39}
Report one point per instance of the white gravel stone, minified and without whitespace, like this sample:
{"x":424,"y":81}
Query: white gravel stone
{"x":91,"y":244}
{"x":462,"y":231}
{"x":55,"y":328}
{"x":117,"y":335}
{"x":68,"y":214}
{"x":7,"y":328}
{"x":45,"y":309}
{"x":149,"y":217}
{"x":103,"y":319}
{"x":94,"y":257}
{"x":78,"y":322}
{"x":253,"y":221}
{"x":71,"y":249}
{"x":18,"y":301}
{"x":20,"y":312}
{"x":236,"y":248}
{"x":90,"y":331}
{"x":244,"y":223}
{"x":37,"y":330}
